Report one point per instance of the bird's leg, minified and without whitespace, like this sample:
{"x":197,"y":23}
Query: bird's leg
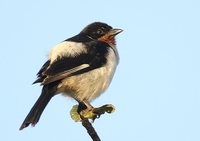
{"x":81,"y":111}
{"x":85,"y":109}
{"x":84,"y":105}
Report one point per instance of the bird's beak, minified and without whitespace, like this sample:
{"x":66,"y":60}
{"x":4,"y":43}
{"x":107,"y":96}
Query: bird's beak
{"x":114,"y":32}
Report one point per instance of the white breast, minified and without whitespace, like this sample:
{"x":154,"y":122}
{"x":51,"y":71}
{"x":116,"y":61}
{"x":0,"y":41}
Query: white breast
{"x":90,"y":85}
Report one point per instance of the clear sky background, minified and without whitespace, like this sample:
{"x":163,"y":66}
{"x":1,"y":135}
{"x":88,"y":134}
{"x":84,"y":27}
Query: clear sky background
{"x":156,"y":88}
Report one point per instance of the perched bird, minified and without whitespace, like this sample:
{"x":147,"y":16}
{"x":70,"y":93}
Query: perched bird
{"x":80,"y":67}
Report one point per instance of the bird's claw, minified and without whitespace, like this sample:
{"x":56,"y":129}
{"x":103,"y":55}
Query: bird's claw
{"x":92,"y":114}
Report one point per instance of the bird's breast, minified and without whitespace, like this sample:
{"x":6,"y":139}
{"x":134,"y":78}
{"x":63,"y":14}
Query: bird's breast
{"x":91,"y":84}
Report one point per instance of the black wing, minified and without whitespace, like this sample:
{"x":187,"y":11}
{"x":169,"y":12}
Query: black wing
{"x":69,"y":66}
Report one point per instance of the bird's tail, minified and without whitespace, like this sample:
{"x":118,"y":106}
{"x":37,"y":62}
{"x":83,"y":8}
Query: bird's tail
{"x":36,"y":111}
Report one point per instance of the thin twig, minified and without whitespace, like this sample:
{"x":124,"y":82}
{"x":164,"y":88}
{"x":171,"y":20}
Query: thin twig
{"x":90,"y":129}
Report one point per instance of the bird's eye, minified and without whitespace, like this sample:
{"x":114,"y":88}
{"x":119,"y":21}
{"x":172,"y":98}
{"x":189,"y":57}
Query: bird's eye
{"x":99,"y":31}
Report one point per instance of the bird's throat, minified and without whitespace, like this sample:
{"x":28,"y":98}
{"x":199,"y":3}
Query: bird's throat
{"x":108,"y":39}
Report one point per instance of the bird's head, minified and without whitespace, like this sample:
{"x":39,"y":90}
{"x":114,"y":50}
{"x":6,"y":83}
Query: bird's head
{"x":102,"y":32}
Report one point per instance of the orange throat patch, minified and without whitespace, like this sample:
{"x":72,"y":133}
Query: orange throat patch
{"x":108,"y":39}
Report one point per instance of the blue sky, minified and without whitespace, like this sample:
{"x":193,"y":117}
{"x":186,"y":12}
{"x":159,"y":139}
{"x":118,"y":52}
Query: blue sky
{"x":156,"y":88}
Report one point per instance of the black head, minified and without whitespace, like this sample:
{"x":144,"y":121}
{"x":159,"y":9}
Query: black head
{"x":96,"y":30}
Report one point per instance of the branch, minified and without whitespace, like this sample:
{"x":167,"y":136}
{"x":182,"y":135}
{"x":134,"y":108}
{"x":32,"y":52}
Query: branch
{"x":84,"y":117}
{"x":90,"y":129}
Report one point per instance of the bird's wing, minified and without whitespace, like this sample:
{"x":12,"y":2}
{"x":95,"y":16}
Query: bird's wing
{"x":69,"y":65}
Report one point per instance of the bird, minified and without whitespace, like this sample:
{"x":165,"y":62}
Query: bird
{"x":80,"y":67}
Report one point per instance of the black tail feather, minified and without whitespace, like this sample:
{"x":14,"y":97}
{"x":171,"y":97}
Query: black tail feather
{"x":36,"y":111}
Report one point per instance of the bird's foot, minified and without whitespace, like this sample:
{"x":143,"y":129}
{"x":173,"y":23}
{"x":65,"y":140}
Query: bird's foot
{"x":90,"y":113}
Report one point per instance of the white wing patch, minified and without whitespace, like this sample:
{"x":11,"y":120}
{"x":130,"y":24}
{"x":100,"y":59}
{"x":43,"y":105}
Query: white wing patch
{"x":66,"y":48}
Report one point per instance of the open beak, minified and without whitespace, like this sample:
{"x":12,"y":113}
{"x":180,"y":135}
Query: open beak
{"x":114,"y":32}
